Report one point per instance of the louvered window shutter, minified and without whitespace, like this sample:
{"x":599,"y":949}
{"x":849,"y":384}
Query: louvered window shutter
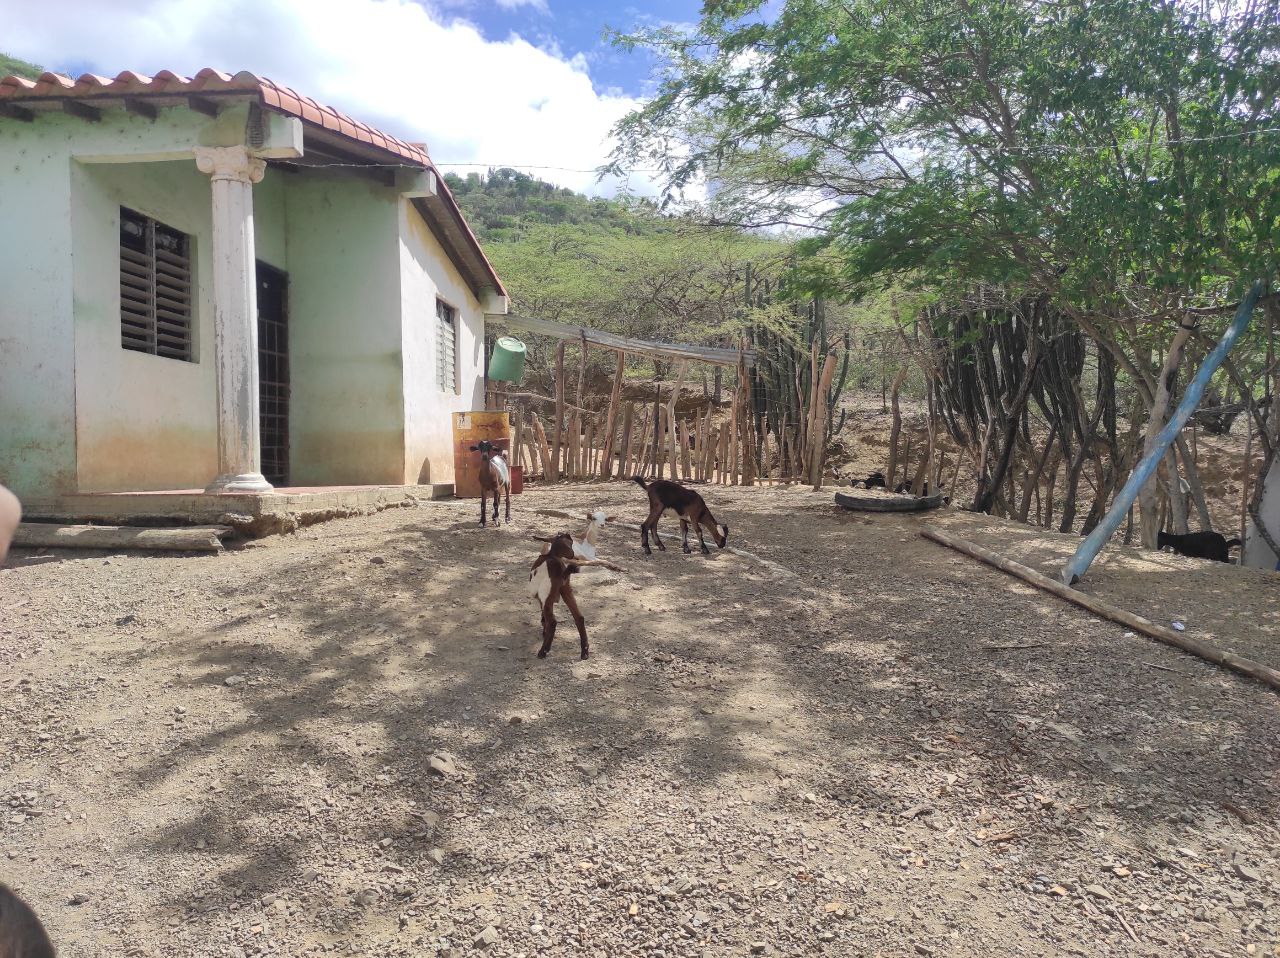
{"x":446,"y":346}
{"x":155,"y":288}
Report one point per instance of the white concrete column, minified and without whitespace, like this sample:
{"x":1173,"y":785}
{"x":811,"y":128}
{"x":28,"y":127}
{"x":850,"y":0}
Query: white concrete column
{"x":234,"y":170}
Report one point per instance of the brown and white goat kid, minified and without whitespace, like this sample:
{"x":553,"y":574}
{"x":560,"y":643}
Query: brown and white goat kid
{"x":549,"y":583}
{"x":584,"y":547}
{"x":494,"y":478}
{"x":688,"y":507}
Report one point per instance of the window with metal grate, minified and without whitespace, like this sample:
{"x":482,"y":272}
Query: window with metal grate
{"x":155,"y":288}
{"x":446,"y":346}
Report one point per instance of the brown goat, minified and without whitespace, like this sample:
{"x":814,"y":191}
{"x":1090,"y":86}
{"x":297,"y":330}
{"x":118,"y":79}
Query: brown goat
{"x":560,"y":563}
{"x":688,"y":506}
{"x":494,"y":478}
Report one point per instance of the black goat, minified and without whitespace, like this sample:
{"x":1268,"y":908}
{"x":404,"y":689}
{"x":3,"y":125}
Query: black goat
{"x":906,"y":487}
{"x":21,"y":934}
{"x":873,"y":481}
{"x":688,"y":506}
{"x":1198,"y":545}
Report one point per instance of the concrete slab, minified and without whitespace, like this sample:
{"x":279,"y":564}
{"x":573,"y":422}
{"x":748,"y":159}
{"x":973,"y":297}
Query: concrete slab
{"x":256,"y":514}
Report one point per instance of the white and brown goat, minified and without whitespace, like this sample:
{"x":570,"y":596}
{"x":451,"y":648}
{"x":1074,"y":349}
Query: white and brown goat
{"x":495,"y":478}
{"x":688,"y":507}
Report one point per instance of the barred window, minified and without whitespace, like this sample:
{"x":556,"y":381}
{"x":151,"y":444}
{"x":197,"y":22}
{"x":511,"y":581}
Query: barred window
{"x":446,"y":346}
{"x":155,"y":288}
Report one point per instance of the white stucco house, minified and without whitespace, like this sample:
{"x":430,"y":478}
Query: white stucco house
{"x":215,"y":283}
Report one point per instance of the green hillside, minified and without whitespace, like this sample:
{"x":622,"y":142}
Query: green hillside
{"x":10,"y":65}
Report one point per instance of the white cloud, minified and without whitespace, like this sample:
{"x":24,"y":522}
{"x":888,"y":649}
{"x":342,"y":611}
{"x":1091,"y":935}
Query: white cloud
{"x":395,"y":64}
{"x":539,"y":5}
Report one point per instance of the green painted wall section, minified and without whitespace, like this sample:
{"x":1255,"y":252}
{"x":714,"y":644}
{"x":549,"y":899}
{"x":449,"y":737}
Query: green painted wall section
{"x":37,"y":390}
{"x":80,"y":413}
{"x":143,"y":422}
{"x":346,"y":412}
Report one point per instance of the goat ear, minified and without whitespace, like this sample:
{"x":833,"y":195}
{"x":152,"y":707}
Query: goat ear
{"x":610,"y":518}
{"x":475,"y":448}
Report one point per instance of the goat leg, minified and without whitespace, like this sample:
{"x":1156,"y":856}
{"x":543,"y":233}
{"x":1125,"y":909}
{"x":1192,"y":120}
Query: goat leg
{"x":566,"y":593}
{"x":684,"y":535}
{"x":482,"y":509}
{"x":548,"y":623}
{"x":508,"y":502}
{"x":497,"y":501}
{"x":701,"y":541}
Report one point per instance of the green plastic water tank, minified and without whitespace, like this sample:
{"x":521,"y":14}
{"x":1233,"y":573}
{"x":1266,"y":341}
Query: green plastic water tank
{"x":507,"y":361}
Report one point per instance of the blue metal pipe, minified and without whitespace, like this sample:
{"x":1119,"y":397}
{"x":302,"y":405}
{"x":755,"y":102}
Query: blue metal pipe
{"x":1093,"y":543}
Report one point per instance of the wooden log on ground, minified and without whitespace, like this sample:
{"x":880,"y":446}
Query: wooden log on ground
{"x":1098,"y":607}
{"x":41,"y":535}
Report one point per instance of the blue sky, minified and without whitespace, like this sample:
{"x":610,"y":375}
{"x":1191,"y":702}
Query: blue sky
{"x":526,"y":83}
{"x":576,"y":27}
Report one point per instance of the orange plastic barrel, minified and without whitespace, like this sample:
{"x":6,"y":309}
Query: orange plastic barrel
{"x":468,"y":429}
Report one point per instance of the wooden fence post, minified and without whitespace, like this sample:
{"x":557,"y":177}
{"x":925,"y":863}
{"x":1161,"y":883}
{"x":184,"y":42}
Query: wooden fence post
{"x":558,"y":425}
{"x":818,"y":432}
{"x":606,"y":461}
{"x":671,"y":416}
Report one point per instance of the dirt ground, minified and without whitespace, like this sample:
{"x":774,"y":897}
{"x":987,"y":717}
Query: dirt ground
{"x":892,"y":751}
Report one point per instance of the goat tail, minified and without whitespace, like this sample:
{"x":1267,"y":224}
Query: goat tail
{"x":640,"y":480}
{"x":1234,"y":542}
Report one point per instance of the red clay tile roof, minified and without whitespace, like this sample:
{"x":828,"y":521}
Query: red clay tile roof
{"x":16,"y":90}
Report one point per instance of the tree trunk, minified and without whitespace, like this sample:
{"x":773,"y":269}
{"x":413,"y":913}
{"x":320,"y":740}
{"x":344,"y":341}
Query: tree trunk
{"x":1197,"y":487}
{"x":895,"y":430}
{"x":1033,"y":481}
{"x":1159,"y":413}
{"x":818,"y":452}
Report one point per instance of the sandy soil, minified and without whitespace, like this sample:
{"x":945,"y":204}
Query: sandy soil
{"x":894,"y":751}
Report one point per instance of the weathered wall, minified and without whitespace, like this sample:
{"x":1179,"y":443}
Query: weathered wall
{"x":148,"y":422}
{"x":37,"y":392}
{"x":425,"y":273}
{"x":143,"y":422}
{"x":43,"y":227}
{"x":80,"y":413}
{"x":346,"y":414}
